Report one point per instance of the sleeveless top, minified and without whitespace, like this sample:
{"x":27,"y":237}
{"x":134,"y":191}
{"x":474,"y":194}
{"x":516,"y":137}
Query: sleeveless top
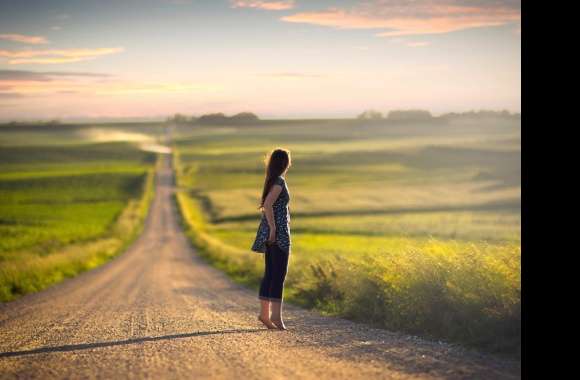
{"x":281,"y":219}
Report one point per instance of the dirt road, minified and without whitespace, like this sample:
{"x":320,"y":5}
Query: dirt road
{"x":157,"y":311}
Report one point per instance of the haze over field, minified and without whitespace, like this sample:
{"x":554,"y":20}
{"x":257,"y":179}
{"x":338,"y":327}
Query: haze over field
{"x":329,"y":58}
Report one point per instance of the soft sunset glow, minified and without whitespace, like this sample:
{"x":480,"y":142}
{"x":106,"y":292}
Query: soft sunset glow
{"x":151,"y":58}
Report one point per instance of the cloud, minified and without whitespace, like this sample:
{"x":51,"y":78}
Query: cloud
{"x":266,"y":5}
{"x":32,"y":40}
{"x":16,"y":57}
{"x":131,"y":88}
{"x":37,"y":84}
{"x":47,"y":60}
{"x":21,"y":83}
{"x":9,"y":95}
{"x":25,"y":83}
{"x":43,"y":76}
{"x":407,"y":17}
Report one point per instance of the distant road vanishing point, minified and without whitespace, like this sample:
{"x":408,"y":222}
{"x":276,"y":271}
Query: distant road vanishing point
{"x":158,"y":311}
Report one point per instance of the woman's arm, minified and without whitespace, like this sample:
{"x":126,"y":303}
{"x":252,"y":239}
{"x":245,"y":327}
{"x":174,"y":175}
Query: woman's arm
{"x":269,"y":211}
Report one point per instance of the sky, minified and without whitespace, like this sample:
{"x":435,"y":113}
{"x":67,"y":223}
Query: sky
{"x":67,"y":59}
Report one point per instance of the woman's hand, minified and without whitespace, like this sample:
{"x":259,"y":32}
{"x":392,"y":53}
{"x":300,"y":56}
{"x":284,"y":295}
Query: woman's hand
{"x":272,"y":236}
{"x":269,"y":212}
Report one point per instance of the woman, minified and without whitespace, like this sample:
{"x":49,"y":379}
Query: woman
{"x":273,"y":238}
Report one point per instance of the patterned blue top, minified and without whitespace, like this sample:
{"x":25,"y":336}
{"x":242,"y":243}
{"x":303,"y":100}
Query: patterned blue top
{"x":281,"y":219}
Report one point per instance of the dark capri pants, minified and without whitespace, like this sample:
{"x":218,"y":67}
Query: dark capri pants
{"x":276,"y":268}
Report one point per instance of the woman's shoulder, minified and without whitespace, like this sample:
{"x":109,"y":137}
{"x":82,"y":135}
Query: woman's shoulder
{"x":280,"y":181}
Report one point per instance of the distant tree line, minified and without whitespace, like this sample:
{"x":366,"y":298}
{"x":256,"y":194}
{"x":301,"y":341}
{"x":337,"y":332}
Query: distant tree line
{"x":424,"y":115}
{"x":482,"y":114}
{"x":215,"y":119}
{"x":53,"y":122}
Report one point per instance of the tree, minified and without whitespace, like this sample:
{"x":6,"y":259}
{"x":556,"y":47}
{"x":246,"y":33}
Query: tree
{"x":370,"y":115}
{"x":220,"y":118}
{"x":217,"y":118}
{"x":244,"y":118}
{"x":411,"y":115}
{"x":481,"y":114}
{"x":179,"y":119}
{"x":213,"y":118}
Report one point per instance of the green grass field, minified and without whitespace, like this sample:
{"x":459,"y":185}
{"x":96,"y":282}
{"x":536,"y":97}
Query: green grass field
{"x":66,"y":208}
{"x":412,"y":227}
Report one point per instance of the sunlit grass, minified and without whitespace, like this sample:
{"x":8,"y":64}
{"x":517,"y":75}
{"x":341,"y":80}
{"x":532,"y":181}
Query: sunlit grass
{"x":490,"y":226}
{"x":456,"y":290}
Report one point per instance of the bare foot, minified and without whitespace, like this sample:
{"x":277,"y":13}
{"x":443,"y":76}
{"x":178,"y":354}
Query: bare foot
{"x":267,"y":323}
{"x":279,"y":324}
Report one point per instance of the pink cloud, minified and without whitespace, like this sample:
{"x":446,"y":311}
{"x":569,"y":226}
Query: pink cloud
{"x":32,"y":40}
{"x":266,"y":5}
{"x":51,"y":56}
{"x":399,"y":18}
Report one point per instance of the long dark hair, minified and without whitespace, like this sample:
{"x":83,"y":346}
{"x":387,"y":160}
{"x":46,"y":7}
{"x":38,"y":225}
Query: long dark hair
{"x":277,"y":162}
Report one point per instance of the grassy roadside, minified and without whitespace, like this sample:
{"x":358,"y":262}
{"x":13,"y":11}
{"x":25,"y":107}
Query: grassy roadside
{"x":32,"y":272}
{"x":459,"y":292}
{"x":238,"y":264}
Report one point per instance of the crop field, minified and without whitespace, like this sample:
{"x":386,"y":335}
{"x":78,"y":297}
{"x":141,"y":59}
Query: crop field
{"x":66,"y":208}
{"x":406,"y":226}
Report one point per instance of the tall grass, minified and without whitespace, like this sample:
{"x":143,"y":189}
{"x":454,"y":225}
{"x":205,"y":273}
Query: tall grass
{"x":461,"y":293}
